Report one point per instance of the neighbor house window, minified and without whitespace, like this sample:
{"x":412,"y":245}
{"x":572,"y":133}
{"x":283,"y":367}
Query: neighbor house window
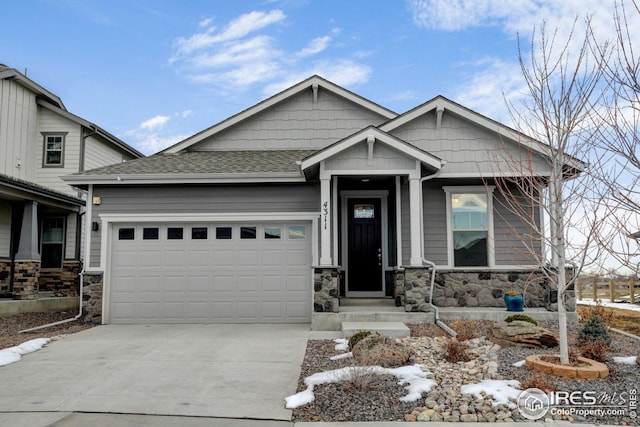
{"x":53,"y":154}
{"x":469,"y":219}
{"x":52,"y":249}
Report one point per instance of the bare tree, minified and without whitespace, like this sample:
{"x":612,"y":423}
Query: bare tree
{"x":619,"y":138}
{"x":562,"y":79}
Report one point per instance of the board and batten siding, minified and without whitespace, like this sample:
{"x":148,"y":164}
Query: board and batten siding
{"x":18,"y":131}
{"x":468,"y":149}
{"x":298,"y":123}
{"x":210,"y":199}
{"x":50,"y":122}
{"x":5,"y":229}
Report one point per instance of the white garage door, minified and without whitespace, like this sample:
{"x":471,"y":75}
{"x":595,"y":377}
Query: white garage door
{"x":210,"y":273}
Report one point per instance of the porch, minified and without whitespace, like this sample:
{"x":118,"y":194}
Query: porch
{"x":384,"y":310}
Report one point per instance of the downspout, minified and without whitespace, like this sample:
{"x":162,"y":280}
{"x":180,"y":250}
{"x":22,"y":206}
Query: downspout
{"x":61,"y":322}
{"x":431,"y":264}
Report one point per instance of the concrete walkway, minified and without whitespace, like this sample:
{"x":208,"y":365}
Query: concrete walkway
{"x":220,"y":371}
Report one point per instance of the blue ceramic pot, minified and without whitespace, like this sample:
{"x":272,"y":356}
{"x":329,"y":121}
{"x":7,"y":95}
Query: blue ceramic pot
{"x":514,"y":302}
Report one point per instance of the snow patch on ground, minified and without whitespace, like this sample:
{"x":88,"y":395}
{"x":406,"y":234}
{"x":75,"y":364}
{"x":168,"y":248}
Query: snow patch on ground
{"x":342,"y":344}
{"x":414,"y":376}
{"x":519,"y":364}
{"x":628,"y":360}
{"x":14,"y":354}
{"x":342,"y":356}
{"x":620,"y":305}
{"x":501,"y":391}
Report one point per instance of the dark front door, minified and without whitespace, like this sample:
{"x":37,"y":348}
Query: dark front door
{"x":364,"y":270}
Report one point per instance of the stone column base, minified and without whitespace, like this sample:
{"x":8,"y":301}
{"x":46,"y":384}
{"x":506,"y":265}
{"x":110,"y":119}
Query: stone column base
{"x":417,"y":281}
{"x":92,"y":296}
{"x":25,"y":279}
{"x":326,"y":285}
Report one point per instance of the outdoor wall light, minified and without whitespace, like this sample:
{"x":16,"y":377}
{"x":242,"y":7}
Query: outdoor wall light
{"x":95,"y":226}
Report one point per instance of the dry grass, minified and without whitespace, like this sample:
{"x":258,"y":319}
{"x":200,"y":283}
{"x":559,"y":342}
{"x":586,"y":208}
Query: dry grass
{"x":625,"y":320}
{"x":536,"y":381}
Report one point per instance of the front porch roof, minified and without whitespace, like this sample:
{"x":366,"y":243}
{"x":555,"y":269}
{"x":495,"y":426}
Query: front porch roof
{"x":372,"y":134}
{"x":17,"y":189}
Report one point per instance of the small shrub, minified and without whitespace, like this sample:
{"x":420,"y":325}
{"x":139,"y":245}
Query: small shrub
{"x":456,"y":351}
{"x":597,"y":310}
{"x":467,"y":329}
{"x":381,"y":351}
{"x":595,"y":350}
{"x":357,"y":337}
{"x":522,"y":317}
{"x":594,"y":329}
{"x":536,"y":381}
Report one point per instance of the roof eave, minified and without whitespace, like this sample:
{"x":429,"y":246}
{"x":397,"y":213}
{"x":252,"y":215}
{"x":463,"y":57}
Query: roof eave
{"x":184,"y":178}
{"x":13,"y":74}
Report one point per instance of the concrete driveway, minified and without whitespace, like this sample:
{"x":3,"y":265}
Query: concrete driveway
{"x":230,"y":371}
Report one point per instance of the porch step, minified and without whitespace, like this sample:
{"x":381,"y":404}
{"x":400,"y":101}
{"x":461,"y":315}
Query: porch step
{"x":387,"y":329}
{"x":367,"y":302}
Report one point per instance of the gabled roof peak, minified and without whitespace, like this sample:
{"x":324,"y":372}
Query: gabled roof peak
{"x":308,"y":83}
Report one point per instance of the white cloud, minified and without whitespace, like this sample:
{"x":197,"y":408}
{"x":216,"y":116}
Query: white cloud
{"x":238,"y":28}
{"x":152,"y":143}
{"x":342,"y":72}
{"x":155,"y":122}
{"x":185,"y":114}
{"x":316,"y":45}
{"x":246,"y":53}
{"x":205,"y":22}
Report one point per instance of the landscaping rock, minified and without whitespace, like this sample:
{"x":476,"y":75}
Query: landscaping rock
{"x":523,"y":334}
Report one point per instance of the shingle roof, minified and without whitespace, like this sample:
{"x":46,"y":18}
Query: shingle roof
{"x":208,"y":162}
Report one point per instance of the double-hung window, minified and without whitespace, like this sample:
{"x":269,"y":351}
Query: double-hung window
{"x":53,"y":153}
{"x":469,"y":215}
{"x":52,"y":249}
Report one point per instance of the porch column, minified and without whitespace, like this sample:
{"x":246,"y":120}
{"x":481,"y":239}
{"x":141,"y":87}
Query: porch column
{"x":325,"y":221}
{"x":28,"y":246}
{"x":415,"y":220}
{"x":27,"y":261}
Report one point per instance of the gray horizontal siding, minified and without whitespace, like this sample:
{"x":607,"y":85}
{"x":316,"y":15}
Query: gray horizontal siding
{"x":513,"y":244}
{"x":435,"y":223}
{"x":202,"y":199}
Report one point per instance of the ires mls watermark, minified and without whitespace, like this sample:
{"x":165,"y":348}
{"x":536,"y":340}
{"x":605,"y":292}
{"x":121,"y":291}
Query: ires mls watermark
{"x":534,"y":403}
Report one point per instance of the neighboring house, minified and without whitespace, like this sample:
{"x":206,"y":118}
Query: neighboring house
{"x":276,"y":213}
{"x":40,"y":215}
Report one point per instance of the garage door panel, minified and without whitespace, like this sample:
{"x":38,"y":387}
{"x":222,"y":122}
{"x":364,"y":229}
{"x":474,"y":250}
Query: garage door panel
{"x":210,"y":280}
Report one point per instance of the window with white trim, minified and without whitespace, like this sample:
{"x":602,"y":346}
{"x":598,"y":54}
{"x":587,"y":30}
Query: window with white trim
{"x":53,"y":154}
{"x":469,"y":219}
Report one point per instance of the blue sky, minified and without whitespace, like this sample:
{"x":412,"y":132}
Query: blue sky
{"x":153,"y":72}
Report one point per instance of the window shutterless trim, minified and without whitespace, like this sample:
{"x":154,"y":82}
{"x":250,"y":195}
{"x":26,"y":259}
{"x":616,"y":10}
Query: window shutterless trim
{"x":45,"y":135}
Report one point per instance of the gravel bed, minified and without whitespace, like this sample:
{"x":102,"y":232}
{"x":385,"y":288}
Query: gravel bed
{"x":379,"y":400}
{"x":621,"y":379}
{"x":369,"y":399}
{"x":11,"y":324}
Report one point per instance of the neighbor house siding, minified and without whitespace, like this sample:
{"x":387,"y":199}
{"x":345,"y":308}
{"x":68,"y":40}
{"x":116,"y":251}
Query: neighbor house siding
{"x":70,"y":244}
{"x":18,"y":118}
{"x":297,"y":123}
{"x":97,"y":153}
{"x":50,"y":122}
{"x":468,"y":149}
{"x":5,"y":229}
{"x":187,"y":199}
